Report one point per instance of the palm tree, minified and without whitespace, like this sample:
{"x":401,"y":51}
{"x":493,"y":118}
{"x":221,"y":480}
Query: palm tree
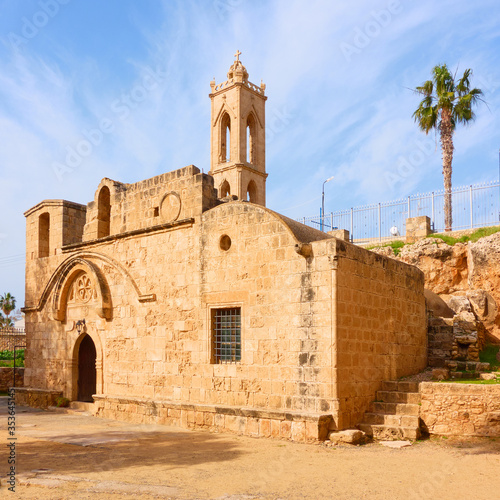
{"x":6,"y":322}
{"x":7,"y":304}
{"x":446,"y":103}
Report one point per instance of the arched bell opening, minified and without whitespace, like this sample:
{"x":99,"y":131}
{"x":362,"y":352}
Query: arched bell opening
{"x":225,"y":190}
{"x":252,"y":192}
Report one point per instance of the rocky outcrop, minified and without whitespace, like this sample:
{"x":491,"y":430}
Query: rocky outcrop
{"x":466,"y":276}
{"x":444,"y":266}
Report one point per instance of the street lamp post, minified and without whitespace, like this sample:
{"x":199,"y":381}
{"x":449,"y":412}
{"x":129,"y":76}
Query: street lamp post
{"x":322,"y":214}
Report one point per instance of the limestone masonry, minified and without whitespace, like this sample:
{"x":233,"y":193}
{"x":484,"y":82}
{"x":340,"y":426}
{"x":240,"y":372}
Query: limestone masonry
{"x":182,"y":299}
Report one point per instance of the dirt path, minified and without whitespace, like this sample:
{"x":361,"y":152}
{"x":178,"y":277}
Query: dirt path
{"x":85,"y":457}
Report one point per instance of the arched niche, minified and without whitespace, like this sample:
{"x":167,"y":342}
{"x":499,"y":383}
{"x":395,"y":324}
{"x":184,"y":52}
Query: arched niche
{"x":104,"y":212}
{"x":44,"y":235}
{"x":87,"y":281}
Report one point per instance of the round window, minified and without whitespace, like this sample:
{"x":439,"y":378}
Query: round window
{"x":225,"y":242}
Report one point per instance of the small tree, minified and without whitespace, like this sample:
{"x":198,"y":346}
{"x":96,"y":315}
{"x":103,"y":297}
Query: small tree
{"x":445,"y":103}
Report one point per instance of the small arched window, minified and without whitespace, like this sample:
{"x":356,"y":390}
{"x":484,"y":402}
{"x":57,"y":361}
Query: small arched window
{"x":225,"y":189}
{"x":225,"y":145}
{"x":44,"y":235}
{"x":252,"y":192}
{"x":251,"y":139}
{"x":103,"y":212}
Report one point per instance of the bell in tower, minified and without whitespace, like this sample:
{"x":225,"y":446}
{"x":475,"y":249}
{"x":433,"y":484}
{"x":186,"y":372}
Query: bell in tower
{"x":238,"y":136}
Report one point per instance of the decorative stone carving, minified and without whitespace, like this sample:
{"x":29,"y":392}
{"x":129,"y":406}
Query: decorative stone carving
{"x":170,"y":207}
{"x":84,"y":288}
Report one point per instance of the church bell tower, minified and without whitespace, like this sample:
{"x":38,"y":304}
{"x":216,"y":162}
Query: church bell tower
{"x":238,"y":136}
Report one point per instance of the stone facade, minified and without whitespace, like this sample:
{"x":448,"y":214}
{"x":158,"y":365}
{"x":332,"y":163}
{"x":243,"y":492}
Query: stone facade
{"x":208,"y":310}
{"x":454,"y":409}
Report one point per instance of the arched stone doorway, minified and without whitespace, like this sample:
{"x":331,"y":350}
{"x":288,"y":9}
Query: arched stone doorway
{"x":87,"y":374}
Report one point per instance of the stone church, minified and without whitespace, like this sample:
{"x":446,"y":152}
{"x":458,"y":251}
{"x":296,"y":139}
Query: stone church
{"x":183,"y":300}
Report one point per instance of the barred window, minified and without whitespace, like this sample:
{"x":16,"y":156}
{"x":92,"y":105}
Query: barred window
{"x":226,"y":335}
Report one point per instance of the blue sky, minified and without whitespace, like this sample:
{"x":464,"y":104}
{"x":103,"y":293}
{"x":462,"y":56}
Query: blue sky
{"x":338,"y":75}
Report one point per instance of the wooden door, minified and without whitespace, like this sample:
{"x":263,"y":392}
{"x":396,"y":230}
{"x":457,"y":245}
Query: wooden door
{"x":86,"y":370}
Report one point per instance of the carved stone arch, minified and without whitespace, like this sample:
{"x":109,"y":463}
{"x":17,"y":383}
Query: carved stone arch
{"x":61,"y":272}
{"x":224,"y":109}
{"x":67,"y":276}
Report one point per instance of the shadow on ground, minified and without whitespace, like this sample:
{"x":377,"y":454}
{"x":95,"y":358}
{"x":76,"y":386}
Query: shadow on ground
{"x":469,"y":445}
{"x":170,"y":449}
{"x":66,"y":443}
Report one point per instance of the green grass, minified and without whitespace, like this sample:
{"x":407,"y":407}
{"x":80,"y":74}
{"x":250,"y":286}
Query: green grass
{"x":450,"y":240}
{"x":396,"y":246}
{"x":472,"y":381}
{"x":489,"y":355}
{"x":476,"y":235}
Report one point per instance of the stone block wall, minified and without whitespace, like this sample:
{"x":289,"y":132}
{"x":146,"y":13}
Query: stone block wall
{"x":177,"y":195}
{"x":7,"y":378}
{"x":381,"y":326}
{"x":455,"y":409}
{"x":36,"y":398}
{"x":292,"y":426}
{"x":285,"y":300}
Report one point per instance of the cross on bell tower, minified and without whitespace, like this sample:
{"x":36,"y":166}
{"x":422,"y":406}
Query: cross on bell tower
{"x":238,"y":150}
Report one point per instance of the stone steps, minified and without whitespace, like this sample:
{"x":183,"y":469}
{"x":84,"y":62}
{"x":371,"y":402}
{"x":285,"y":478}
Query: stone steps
{"x":391,"y":420}
{"x":394,"y":408}
{"x":390,"y":433}
{"x":398,"y":397}
{"x":395,"y":413}
{"x":401,"y":386}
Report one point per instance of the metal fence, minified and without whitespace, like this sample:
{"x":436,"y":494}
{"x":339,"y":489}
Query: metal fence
{"x":473,"y":206}
{"x":10,"y":337}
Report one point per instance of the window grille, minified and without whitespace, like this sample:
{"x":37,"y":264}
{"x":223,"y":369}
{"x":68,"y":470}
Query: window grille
{"x":226,"y":335}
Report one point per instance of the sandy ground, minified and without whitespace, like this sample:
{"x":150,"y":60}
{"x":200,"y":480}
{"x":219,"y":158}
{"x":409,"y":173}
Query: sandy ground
{"x":62,"y":456}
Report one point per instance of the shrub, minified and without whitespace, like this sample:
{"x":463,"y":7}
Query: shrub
{"x":62,"y":402}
